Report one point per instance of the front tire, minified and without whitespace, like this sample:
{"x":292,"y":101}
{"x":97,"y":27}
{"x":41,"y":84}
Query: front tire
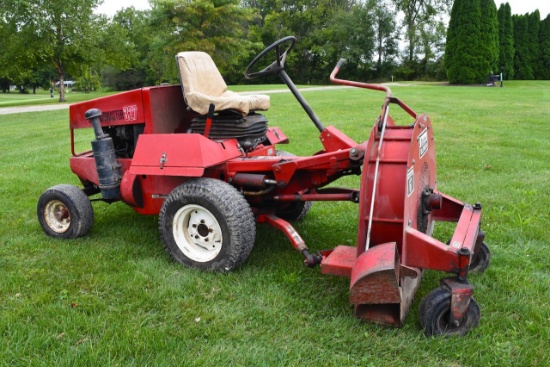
{"x":207,"y":224}
{"x":64,"y":211}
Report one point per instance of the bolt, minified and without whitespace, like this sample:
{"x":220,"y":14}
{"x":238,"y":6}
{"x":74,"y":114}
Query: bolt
{"x":353,"y":152}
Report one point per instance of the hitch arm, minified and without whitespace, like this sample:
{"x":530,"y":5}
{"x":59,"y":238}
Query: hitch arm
{"x":297,"y":242}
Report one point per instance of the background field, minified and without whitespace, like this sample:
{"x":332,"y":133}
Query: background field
{"x":42,"y":97}
{"x":114,"y":298}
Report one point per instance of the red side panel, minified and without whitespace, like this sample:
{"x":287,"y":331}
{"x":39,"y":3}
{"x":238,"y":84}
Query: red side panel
{"x":84,"y":167}
{"x":165,"y":110}
{"x":184,"y":155}
{"x":162,"y":109}
{"x":121,"y":109}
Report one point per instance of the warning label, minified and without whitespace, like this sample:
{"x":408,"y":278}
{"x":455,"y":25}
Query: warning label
{"x":410,"y":181}
{"x":423,"y":142}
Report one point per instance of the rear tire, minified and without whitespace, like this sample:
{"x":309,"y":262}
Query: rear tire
{"x":64,"y":211}
{"x":207,"y":224}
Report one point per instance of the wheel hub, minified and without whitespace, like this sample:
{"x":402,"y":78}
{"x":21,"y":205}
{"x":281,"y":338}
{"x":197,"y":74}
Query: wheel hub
{"x":57,"y":216}
{"x":197,"y":233}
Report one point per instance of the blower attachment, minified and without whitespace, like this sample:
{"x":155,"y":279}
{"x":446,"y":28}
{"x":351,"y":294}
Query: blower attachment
{"x":108,"y":169}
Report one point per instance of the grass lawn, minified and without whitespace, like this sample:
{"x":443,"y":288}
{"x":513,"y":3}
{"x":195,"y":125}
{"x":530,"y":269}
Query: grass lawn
{"x":42,"y":97}
{"x":114,"y":298}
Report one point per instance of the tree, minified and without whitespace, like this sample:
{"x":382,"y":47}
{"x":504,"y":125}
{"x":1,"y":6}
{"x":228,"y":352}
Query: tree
{"x":350,"y":35}
{"x":318,"y":27}
{"x":327,"y":30}
{"x":139,"y":34}
{"x":432,"y":47}
{"x":418,"y":13}
{"x":40,"y":78}
{"x":489,"y":36}
{"x":544,"y":37}
{"x":16,"y":65}
{"x":471,"y":52}
{"x":61,"y":33}
{"x":218,"y":27}
{"x":533,"y":29}
{"x":88,"y":80}
{"x":523,"y":69}
{"x":64,"y":34}
{"x":506,"y":40}
{"x":386,"y":37}
{"x":463,"y":42}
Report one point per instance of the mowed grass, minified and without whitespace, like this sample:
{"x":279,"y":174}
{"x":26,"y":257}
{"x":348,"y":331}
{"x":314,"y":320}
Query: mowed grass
{"x":42,"y":97}
{"x":114,"y":298}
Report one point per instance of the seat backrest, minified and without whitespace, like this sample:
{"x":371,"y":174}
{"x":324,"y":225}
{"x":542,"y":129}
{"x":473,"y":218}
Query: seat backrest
{"x":203,"y":85}
{"x":199,"y":74}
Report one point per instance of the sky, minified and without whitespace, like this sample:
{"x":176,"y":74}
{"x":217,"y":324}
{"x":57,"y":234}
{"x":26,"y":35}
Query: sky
{"x":527,"y":6}
{"x":110,"y":7}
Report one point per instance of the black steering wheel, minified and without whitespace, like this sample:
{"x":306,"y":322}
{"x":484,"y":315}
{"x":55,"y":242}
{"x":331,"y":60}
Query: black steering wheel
{"x":276,"y":66}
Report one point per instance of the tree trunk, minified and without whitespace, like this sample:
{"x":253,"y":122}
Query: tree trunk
{"x":61,"y":87}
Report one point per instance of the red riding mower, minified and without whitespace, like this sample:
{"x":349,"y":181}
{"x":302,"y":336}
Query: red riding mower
{"x":207,"y":164}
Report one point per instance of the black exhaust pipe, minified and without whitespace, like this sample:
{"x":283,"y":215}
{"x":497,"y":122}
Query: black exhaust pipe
{"x":108,"y":169}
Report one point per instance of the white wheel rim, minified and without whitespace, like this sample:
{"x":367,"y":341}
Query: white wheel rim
{"x":197,"y":233}
{"x":57,"y":216}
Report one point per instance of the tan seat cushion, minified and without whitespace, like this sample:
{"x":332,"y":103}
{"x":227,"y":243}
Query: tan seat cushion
{"x":203,"y":84}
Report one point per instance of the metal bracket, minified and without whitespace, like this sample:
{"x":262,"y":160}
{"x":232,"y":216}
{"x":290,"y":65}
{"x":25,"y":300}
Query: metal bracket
{"x":461,"y":294}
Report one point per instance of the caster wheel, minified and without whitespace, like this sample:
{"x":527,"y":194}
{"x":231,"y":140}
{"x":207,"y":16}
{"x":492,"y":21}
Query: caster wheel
{"x":435,"y":310}
{"x":480,"y":263}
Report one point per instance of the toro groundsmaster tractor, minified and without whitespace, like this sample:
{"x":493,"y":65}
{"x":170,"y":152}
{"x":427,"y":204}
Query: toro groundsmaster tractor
{"x":207,"y":163}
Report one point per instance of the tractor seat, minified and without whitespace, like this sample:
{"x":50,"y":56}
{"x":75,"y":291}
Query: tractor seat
{"x":203,"y":84}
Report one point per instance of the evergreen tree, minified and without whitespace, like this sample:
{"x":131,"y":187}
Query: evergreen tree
{"x":463,"y":59}
{"x":523,"y":69}
{"x":489,"y":36}
{"x":533,"y":28}
{"x":544,"y":36}
{"x":506,"y":40}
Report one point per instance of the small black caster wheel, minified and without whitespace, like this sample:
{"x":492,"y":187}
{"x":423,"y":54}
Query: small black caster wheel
{"x":435,"y":311}
{"x":481,"y":262}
